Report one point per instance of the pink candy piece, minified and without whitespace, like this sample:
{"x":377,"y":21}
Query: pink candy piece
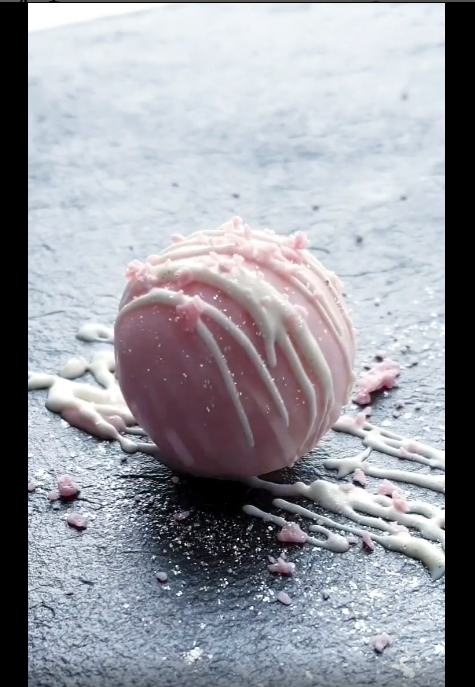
{"x":67,"y":487}
{"x":368,"y":543}
{"x":382,"y":376}
{"x":381,"y":643}
{"x":77,"y":521}
{"x":221,"y":342}
{"x":32,"y":487}
{"x":360,"y":478}
{"x":292,"y":534}
{"x":282,"y":567}
{"x":284,"y":599}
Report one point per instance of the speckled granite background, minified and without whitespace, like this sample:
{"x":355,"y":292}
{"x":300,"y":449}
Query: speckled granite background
{"x":322,"y":117}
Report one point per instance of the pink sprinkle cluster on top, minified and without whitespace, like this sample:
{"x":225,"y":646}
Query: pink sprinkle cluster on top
{"x":190,"y":312}
{"x":292,"y":533}
{"x":381,"y":376}
{"x":282,"y":567}
{"x":67,"y":487}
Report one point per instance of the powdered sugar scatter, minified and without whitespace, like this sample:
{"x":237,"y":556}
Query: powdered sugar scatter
{"x":381,"y":376}
{"x":282,"y":567}
{"x":292,"y":534}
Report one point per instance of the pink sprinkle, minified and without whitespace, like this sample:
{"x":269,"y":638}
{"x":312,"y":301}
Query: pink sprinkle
{"x":284,"y":599}
{"x":190,"y":312}
{"x":292,"y":534}
{"x":412,"y":447}
{"x":347,"y":488}
{"x":299,"y":241}
{"x":381,"y":643}
{"x":32,"y":487}
{"x":177,"y":238}
{"x":184,"y":278}
{"x":368,"y":543}
{"x":400,"y":502}
{"x":247,"y":232}
{"x":360,"y":478}
{"x":387,"y":488}
{"x":77,"y":521}
{"x":182,"y":515}
{"x":398,"y":529}
{"x":381,"y":376}
{"x":237,"y":222}
{"x":162,"y":577}
{"x":53,"y":496}
{"x":67,"y":487}
{"x":175,"y":480}
{"x":282,"y":567}
{"x":134,"y":271}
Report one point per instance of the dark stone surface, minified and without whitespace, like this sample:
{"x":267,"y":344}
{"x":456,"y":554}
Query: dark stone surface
{"x":327,"y":118}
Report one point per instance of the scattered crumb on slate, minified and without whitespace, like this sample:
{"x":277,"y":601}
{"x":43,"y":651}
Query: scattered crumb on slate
{"x":32,"y":487}
{"x":182,"y":515}
{"x":162,"y":577}
{"x":53,"y":496}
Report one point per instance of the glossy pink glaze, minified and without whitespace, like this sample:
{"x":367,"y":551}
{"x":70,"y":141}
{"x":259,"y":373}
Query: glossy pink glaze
{"x":173,"y":384}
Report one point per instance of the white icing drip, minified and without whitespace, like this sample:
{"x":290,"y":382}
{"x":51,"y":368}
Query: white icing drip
{"x":333,"y":542}
{"x":400,"y":542}
{"x":103,"y":413}
{"x":222,"y":364}
{"x":189,"y":249}
{"x":96,"y":333}
{"x":391,"y":444}
{"x":99,"y":412}
{"x":236,"y":229}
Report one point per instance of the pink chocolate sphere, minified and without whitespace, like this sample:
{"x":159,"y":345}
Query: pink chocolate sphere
{"x":234,"y":351}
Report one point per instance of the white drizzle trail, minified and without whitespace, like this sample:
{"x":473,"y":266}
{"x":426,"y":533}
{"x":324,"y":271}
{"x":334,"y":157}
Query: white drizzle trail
{"x":103,"y":413}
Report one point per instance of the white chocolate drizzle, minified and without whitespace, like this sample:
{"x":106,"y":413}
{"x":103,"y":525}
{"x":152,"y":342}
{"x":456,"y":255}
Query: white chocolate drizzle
{"x":102,"y":412}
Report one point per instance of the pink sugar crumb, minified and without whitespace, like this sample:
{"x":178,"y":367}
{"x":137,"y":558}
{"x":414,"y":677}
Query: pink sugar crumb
{"x":67,"y":487}
{"x":77,"y":521}
{"x":247,"y":232}
{"x":237,"y":222}
{"x":282,"y":567}
{"x":347,"y":488}
{"x":400,"y":502}
{"x":32,"y":487}
{"x":382,"y":376}
{"x":53,"y":496}
{"x":405,"y":454}
{"x":284,"y":599}
{"x":162,"y":577}
{"x":184,"y":279}
{"x":368,"y":543}
{"x":387,"y":488}
{"x":298,"y":241}
{"x":177,"y":238}
{"x":381,"y":643}
{"x":360,"y":478}
{"x":190,"y":312}
{"x":399,"y":529}
{"x":292,"y":534}
{"x":134,"y":271}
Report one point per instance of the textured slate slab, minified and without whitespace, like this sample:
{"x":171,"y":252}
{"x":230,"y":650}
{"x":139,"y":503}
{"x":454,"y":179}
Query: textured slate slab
{"x":322,"y":117}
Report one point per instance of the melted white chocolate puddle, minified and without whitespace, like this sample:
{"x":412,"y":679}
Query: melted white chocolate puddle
{"x":101,"y":411}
